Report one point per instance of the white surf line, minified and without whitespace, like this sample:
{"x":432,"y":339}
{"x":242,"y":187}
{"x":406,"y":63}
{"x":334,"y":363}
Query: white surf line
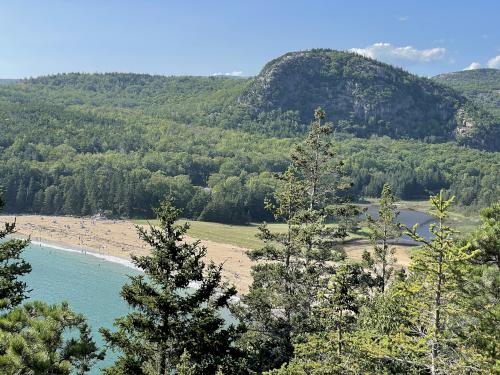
{"x":109,"y":258}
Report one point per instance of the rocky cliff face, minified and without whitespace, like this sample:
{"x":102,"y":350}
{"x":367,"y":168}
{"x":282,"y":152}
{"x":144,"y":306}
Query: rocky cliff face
{"x":359,"y":95}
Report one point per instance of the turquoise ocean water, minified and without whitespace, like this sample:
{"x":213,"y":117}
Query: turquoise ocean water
{"x":90,"y":285}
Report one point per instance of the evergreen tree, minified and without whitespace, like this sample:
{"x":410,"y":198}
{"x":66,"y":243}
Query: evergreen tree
{"x":330,"y":349}
{"x":12,"y":267}
{"x":486,"y":238}
{"x":21,"y":197}
{"x":171,"y":322}
{"x":340,"y":301}
{"x":437,"y":270}
{"x":37,"y":338}
{"x":440,"y":319}
{"x":384,"y":229}
{"x":285,"y":285}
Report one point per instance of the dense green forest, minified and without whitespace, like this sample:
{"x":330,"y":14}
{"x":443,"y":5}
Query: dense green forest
{"x":481,"y":85}
{"x":79,"y":144}
{"x":308,"y":311}
{"x":366,"y":97}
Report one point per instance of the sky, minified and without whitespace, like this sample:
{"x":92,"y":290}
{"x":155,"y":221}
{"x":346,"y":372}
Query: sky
{"x":238,"y":37}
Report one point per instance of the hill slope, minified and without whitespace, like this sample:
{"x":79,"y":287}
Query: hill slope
{"x":82,"y":143}
{"x":481,"y":85}
{"x":367,"y":97}
{"x":362,"y":96}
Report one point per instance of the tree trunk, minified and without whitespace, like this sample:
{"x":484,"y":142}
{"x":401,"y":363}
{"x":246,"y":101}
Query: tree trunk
{"x":339,"y":335}
{"x":163,"y":360}
{"x":437,"y":311}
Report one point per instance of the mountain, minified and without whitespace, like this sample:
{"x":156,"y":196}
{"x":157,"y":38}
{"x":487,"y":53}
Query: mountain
{"x":480,"y":85}
{"x":78,"y":144}
{"x":362,"y":96}
{"x":366,"y":97}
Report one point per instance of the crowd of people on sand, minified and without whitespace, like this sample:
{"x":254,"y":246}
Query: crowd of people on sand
{"x":118,"y":238}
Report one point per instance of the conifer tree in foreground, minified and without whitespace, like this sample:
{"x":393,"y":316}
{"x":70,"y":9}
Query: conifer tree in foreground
{"x":384,"y":229}
{"x":487,"y":237}
{"x":439,"y":267}
{"x":427,"y":323}
{"x":420,"y":325}
{"x":12,"y":267}
{"x":278,"y":307}
{"x":175,"y":323}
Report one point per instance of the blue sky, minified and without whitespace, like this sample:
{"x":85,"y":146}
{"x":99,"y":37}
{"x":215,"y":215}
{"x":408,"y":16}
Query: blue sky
{"x":239,"y":37}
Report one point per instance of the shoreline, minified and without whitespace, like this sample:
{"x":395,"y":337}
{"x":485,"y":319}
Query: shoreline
{"x":79,"y":250}
{"x":117,"y":240}
{"x":107,"y":258}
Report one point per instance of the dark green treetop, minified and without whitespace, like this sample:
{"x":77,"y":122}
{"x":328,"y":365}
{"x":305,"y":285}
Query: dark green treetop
{"x":176,"y":307}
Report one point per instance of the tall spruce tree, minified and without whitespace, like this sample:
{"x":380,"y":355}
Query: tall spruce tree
{"x":309,"y":201}
{"x":383,"y":229}
{"x":176,"y":308}
{"x":329,"y":349}
{"x":437,"y":269}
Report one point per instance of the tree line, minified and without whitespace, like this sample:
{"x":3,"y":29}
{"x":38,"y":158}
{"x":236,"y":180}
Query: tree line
{"x":212,"y":173}
{"x":309,"y":310}
{"x":81,"y":144}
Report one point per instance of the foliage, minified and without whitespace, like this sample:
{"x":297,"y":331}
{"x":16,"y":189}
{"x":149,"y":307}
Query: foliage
{"x":486,"y":238}
{"x":384,"y":229}
{"x":481,"y":85}
{"x":37,"y":338}
{"x":441,"y":318}
{"x":78,"y":144}
{"x":12,"y":267}
{"x":172,"y":325}
{"x":365,"y":97}
{"x":278,"y":306}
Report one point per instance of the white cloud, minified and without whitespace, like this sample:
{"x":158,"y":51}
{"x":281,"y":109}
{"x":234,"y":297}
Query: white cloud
{"x":388,"y":52}
{"x":472,"y":66}
{"x":494,"y":62}
{"x":235,"y":73}
{"x":403,"y":18}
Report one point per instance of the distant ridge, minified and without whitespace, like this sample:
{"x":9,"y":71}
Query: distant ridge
{"x":361,"y":96}
{"x":480,"y":85}
{"x":367,"y":97}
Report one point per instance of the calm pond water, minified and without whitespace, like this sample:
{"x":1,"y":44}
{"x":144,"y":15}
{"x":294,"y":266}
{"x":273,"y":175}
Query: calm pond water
{"x":410,"y":218}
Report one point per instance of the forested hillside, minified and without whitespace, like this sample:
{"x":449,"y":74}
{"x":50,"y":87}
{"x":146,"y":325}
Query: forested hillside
{"x":83,"y":143}
{"x":481,"y":85}
{"x":366,"y":97}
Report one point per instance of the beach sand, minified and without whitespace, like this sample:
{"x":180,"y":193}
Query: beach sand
{"x":118,"y":238}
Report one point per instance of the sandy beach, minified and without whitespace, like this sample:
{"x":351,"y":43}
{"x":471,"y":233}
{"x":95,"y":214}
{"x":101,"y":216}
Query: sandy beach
{"x":118,"y":238}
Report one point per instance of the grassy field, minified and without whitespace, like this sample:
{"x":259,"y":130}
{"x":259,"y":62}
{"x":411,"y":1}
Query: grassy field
{"x":244,"y":235}
{"x":238,"y":235}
